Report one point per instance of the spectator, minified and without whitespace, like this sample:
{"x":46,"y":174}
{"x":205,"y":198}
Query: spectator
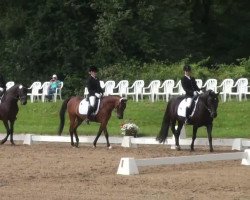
{"x":54,"y":84}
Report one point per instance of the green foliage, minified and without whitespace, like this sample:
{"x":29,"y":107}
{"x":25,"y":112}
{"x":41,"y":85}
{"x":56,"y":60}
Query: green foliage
{"x":43,"y":118}
{"x":127,"y":39}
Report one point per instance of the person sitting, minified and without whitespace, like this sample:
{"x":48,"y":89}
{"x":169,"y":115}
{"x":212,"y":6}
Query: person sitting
{"x":54,"y":84}
{"x":95,"y":91}
{"x":2,"y":86}
{"x":192,"y":90}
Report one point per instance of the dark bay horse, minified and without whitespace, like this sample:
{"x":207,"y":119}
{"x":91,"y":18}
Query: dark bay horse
{"x":205,"y":112}
{"x":107,"y":105}
{"x":9,"y":108}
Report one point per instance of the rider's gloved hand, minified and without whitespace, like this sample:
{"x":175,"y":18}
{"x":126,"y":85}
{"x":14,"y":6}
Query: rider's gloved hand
{"x":195,"y":93}
{"x":98,"y":95}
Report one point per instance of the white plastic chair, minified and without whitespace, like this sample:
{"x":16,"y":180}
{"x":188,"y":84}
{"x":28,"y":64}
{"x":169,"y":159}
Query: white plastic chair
{"x":151,"y":90}
{"x":102,"y":84}
{"x":211,"y":84}
{"x":199,"y":83}
{"x":44,"y":88}
{"x":109,"y":87}
{"x":166,"y":89}
{"x":178,"y":89}
{"x":58,"y":93}
{"x":9,"y":84}
{"x":86,"y":92}
{"x":34,"y":94}
{"x":135,"y":90}
{"x":121,"y":88}
{"x":241,"y":87}
{"x":225,"y":88}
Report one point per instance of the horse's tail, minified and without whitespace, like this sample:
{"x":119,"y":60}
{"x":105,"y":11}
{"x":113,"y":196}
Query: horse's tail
{"x":163,"y":134}
{"x":62,"y":115}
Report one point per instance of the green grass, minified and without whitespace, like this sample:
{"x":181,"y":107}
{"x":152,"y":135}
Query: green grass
{"x":42,"y":118}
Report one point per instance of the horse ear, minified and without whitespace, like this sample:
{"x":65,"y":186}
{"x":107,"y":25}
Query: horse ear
{"x":123,"y":99}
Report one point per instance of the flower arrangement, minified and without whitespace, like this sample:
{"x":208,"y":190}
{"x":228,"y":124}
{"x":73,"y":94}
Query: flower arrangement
{"x":129,"y":129}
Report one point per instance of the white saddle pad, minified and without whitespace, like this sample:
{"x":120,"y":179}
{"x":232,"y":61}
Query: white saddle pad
{"x":182,"y":107}
{"x":84,"y":106}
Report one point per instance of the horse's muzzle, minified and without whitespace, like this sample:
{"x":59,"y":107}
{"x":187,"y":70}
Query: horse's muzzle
{"x":23,"y":102}
{"x":120,"y":116}
{"x":214,"y":114}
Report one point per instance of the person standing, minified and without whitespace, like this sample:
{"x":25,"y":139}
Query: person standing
{"x":190,"y":87}
{"x":95,"y":91}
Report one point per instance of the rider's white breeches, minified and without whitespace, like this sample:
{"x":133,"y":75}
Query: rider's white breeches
{"x":188,"y":101}
{"x":92,"y":100}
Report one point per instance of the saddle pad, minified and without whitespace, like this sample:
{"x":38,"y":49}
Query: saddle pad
{"x":84,"y":106}
{"x":184,"y":104}
{"x":182,"y":107}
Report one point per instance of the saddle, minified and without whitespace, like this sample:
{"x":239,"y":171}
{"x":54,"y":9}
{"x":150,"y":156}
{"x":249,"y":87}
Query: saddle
{"x":84,"y":106}
{"x":184,"y":104}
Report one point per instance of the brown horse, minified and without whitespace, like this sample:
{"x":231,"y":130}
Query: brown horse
{"x":107,"y":105}
{"x":9,"y":108}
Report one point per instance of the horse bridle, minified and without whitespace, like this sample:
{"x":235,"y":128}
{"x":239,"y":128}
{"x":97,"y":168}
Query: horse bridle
{"x":209,"y":109}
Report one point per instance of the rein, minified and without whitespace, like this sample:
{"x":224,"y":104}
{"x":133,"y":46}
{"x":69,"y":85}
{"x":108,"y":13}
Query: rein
{"x":205,"y":105}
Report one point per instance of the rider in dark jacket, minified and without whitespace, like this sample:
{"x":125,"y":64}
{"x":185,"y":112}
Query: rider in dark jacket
{"x":95,"y":91}
{"x":189,"y":85}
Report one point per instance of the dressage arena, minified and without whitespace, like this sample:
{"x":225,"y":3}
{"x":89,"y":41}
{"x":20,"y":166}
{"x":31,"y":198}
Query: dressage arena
{"x":58,"y":171}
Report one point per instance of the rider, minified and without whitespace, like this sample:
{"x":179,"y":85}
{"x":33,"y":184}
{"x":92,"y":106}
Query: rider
{"x":95,"y":91}
{"x":189,"y":85}
{"x":2,"y":86}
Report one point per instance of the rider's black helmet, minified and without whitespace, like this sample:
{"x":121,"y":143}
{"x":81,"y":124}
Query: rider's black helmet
{"x":93,"y":69}
{"x":187,"y":68}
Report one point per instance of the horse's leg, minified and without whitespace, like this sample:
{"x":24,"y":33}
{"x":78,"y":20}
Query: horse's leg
{"x":98,"y":135}
{"x":195,"y":128}
{"x":6,"y":124}
{"x":11,"y":125}
{"x":176,"y":135}
{"x":107,"y":137}
{"x":209,"y":135}
{"x":78,"y":122}
{"x":71,"y":130}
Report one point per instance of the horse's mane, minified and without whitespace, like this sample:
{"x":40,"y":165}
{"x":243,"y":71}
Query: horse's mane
{"x":207,"y":93}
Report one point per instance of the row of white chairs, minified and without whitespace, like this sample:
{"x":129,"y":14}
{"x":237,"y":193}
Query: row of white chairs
{"x":39,"y":90}
{"x":169,"y":88}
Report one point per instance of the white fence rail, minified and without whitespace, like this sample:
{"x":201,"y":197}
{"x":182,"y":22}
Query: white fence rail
{"x":127,"y":141}
{"x":129,"y":166}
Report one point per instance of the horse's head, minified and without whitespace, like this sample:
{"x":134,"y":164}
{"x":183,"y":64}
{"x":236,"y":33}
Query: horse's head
{"x":121,"y":107}
{"x":212,"y":101}
{"x":22,"y":94}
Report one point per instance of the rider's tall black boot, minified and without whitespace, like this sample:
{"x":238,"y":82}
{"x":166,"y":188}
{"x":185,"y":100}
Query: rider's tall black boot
{"x":187,"y":120}
{"x":90,"y":111}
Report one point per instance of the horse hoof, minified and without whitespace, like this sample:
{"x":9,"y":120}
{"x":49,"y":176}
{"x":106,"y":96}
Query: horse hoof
{"x":178,"y":148}
{"x":110,"y":147}
{"x":93,"y":146}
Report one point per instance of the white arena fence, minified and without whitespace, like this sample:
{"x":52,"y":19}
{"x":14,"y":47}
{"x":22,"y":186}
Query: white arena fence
{"x":129,"y":166}
{"x":128,"y":141}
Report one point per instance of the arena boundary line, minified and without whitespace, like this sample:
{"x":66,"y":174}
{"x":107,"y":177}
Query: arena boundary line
{"x":128,"y":141}
{"x":129,"y":166}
